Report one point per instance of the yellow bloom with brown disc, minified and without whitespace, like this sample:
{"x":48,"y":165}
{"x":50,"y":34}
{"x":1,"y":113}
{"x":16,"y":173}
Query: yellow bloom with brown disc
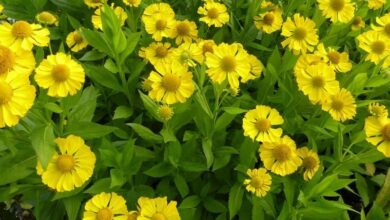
{"x":378,"y":110}
{"x":157,"y":53}
{"x":97,"y":17}
{"x":171,"y":83}
{"x":132,"y":3}
{"x":301,"y":34}
{"x":157,"y":208}
{"x":75,"y":41}
{"x":375,"y":44}
{"x":185,"y":31}
{"x":60,"y":74}
{"x":383,"y":25}
{"x":357,"y":23}
{"x":259,"y":183}
{"x":47,"y":18}
{"x":213,"y":14}
{"x":228,"y":61}
{"x":317,"y":81}
{"x":337,"y":10}
{"x":159,"y":20}
{"x":339,"y":61}
{"x":377,"y":131}
{"x":94,"y":3}
{"x":259,"y":124}
{"x":206,"y":46}
{"x":341,"y":105}
{"x":310,"y":162}
{"x":188,"y":54}
{"x":71,"y":167}
{"x":256,"y":68}
{"x":16,"y":98}
{"x":304,"y":61}
{"x":106,"y":206}
{"x":280,"y":156}
{"x":376,"y":4}
{"x":23,"y":35}
{"x":16,"y":61}
{"x":271,"y":20}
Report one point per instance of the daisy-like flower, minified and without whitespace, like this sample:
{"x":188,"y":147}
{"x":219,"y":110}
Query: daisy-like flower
{"x":259,"y":183}
{"x":16,"y":98}
{"x":280,"y":156}
{"x":377,"y":131}
{"x":22,"y":35}
{"x":213,"y":13}
{"x":94,"y":3}
{"x":378,"y":110}
{"x":376,"y":4}
{"x":375,"y":45}
{"x":256,"y":68}
{"x":228,"y":61}
{"x":132,"y":3}
{"x":206,"y":46}
{"x":60,"y":74}
{"x":310,"y":162}
{"x":301,"y":34}
{"x":75,"y":41}
{"x":47,"y":18}
{"x":337,"y":10}
{"x":304,"y":61}
{"x":338,"y":61}
{"x":383,"y":25}
{"x":357,"y":23}
{"x":188,"y":54}
{"x":106,"y":206}
{"x":97,"y":17}
{"x":258,"y":122}
{"x":157,"y":53}
{"x":157,"y":209}
{"x":159,"y":20}
{"x":317,"y":82}
{"x":72,"y":167}
{"x":165,"y":112}
{"x":16,"y":61}
{"x":271,"y":20}
{"x":341,"y":105}
{"x":185,"y":31}
{"x":171,"y":83}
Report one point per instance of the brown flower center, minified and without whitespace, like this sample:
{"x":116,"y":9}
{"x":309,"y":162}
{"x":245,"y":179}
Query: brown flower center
{"x":6,"y":92}
{"x":357,"y":21}
{"x":268,"y":19}
{"x":161,"y":51}
{"x":208,"y":47}
{"x":387,"y":29}
{"x":65,"y":163}
{"x":318,"y":82}
{"x":183,"y":29}
{"x":7,"y":59}
{"x":21,"y":29}
{"x":263,"y":125}
{"x":256,"y":182}
{"x":171,"y":82}
{"x":281,"y":152}
{"x":300,"y":33}
{"x":213,"y":13}
{"x":161,"y":24}
{"x":337,"y":104}
{"x":78,"y":38}
{"x":378,"y":47}
{"x":337,"y":5}
{"x":158,"y":216}
{"x":386,"y":132}
{"x":309,"y":163}
{"x":228,"y":63}
{"x":334,"y":57}
{"x":104,"y":214}
{"x":60,"y":72}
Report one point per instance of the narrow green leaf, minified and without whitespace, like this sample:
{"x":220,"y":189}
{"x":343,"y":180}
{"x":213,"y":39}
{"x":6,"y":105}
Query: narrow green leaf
{"x":145,"y":133}
{"x":42,"y":140}
{"x":235,"y":199}
{"x":89,"y":130}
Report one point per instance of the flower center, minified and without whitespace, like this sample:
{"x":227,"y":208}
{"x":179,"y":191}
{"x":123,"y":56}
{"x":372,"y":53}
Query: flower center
{"x":334,"y":57}
{"x":207,"y":47}
{"x":228,"y":63}
{"x":337,"y":104}
{"x":170,"y":82}
{"x":213,"y":13}
{"x":256,"y":182}
{"x":161,"y":24}
{"x":60,"y":72}
{"x":318,"y":82}
{"x":78,"y":38}
{"x":183,"y":29}
{"x":161,"y":52}
{"x":6,"y":92}
{"x":281,"y":152}
{"x":7,"y":59}
{"x":309,"y":163}
{"x":65,"y":163}
{"x":387,"y":29}
{"x":357,"y":21}
{"x":165,"y":112}
{"x":300,"y":33}
{"x":378,"y":47}
{"x":104,"y":214}
{"x":21,"y":29}
{"x":337,"y":5}
{"x":263,"y":125}
{"x":158,"y":216}
{"x":269,"y":19}
{"x":386,"y":132}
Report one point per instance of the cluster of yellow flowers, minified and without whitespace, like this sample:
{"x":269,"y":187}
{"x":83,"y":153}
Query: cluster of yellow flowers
{"x":278,"y":153}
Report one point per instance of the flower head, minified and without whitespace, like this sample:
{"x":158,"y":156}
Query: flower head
{"x":339,"y":61}
{"x":378,"y":110}
{"x":341,"y":105}
{"x":185,"y":31}
{"x":375,"y":45}
{"x":16,"y":61}
{"x":188,"y":54}
{"x":75,"y":41}
{"x":357,"y":23}
{"x":132,"y":3}
{"x":376,"y":4}
{"x":271,"y":20}
{"x":165,"y":112}
{"x":337,"y":10}
{"x":378,"y":133}
{"x":310,"y":162}
{"x":383,"y":25}
{"x":106,"y":206}
{"x":157,"y":53}
{"x":47,"y":18}
{"x":157,"y":209}
{"x":159,"y":20}
{"x":214,"y":14}
{"x":259,"y":183}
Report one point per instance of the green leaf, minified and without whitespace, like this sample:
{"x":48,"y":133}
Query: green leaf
{"x":145,"y":133}
{"x":53,"y":107}
{"x":102,"y":76}
{"x":376,"y":213}
{"x":92,"y":55}
{"x":122,"y":112}
{"x":207,"y":147}
{"x":174,"y":152}
{"x":84,"y":108}
{"x":235,"y":199}
{"x":234,"y":110}
{"x":132,"y":42}
{"x":201,"y":100}
{"x":150,"y":105}
{"x":190,"y":202}
{"x":97,"y":40}
{"x":117,"y":178}
{"x":160,"y":170}
{"x":42,"y":140}
{"x":214,"y":206}
{"x":181,"y":185}
{"x":89,"y":130}
{"x":362,"y":187}
{"x":101,"y":185}
{"x":72,"y":206}
{"x":128,"y":154}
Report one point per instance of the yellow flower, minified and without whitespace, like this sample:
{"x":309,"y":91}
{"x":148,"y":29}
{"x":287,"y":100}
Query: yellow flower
{"x":97,"y":19}
{"x":171,"y":83}
{"x":132,"y":215}
{"x":378,"y":133}
{"x":206,"y":46}
{"x":60,"y":74}
{"x":258,"y":122}
{"x":157,"y":209}
{"x":338,"y":61}
{"x":310,"y":162}
{"x":39,"y":168}
{"x":317,"y":81}
{"x":256,"y":68}
{"x":341,"y":106}
{"x":228,"y":61}
{"x":106,"y":206}
{"x":375,"y":45}
{"x":165,"y":112}
{"x":304,"y":61}
{"x":259,"y":183}
{"x":213,"y":13}
{"x":1,"y":8}
{"x":271,"y":20}
{"x":132,"y":3}
{"x":75,"y":41}
{"x":187,"y":53}
{"x":383,"y":25}
{"x":376,"y":4}
{"x":157,"y":53}
{"x":337,"y":10}
{"x":47,"y":18}
{"x":72,"y":167}
{"x":280,"y":156}
{"x":16,"y":98}
{"x":378,"y":110}
{"x":301,"y":34}
{"x":16,"y":61}
{"x":185,"y":31}
{"x":146,"y":85}
{"x":358,"y":23}
{"x":159,"y":20}
{"x":22,"y":35}
{"x":94,"y":3}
